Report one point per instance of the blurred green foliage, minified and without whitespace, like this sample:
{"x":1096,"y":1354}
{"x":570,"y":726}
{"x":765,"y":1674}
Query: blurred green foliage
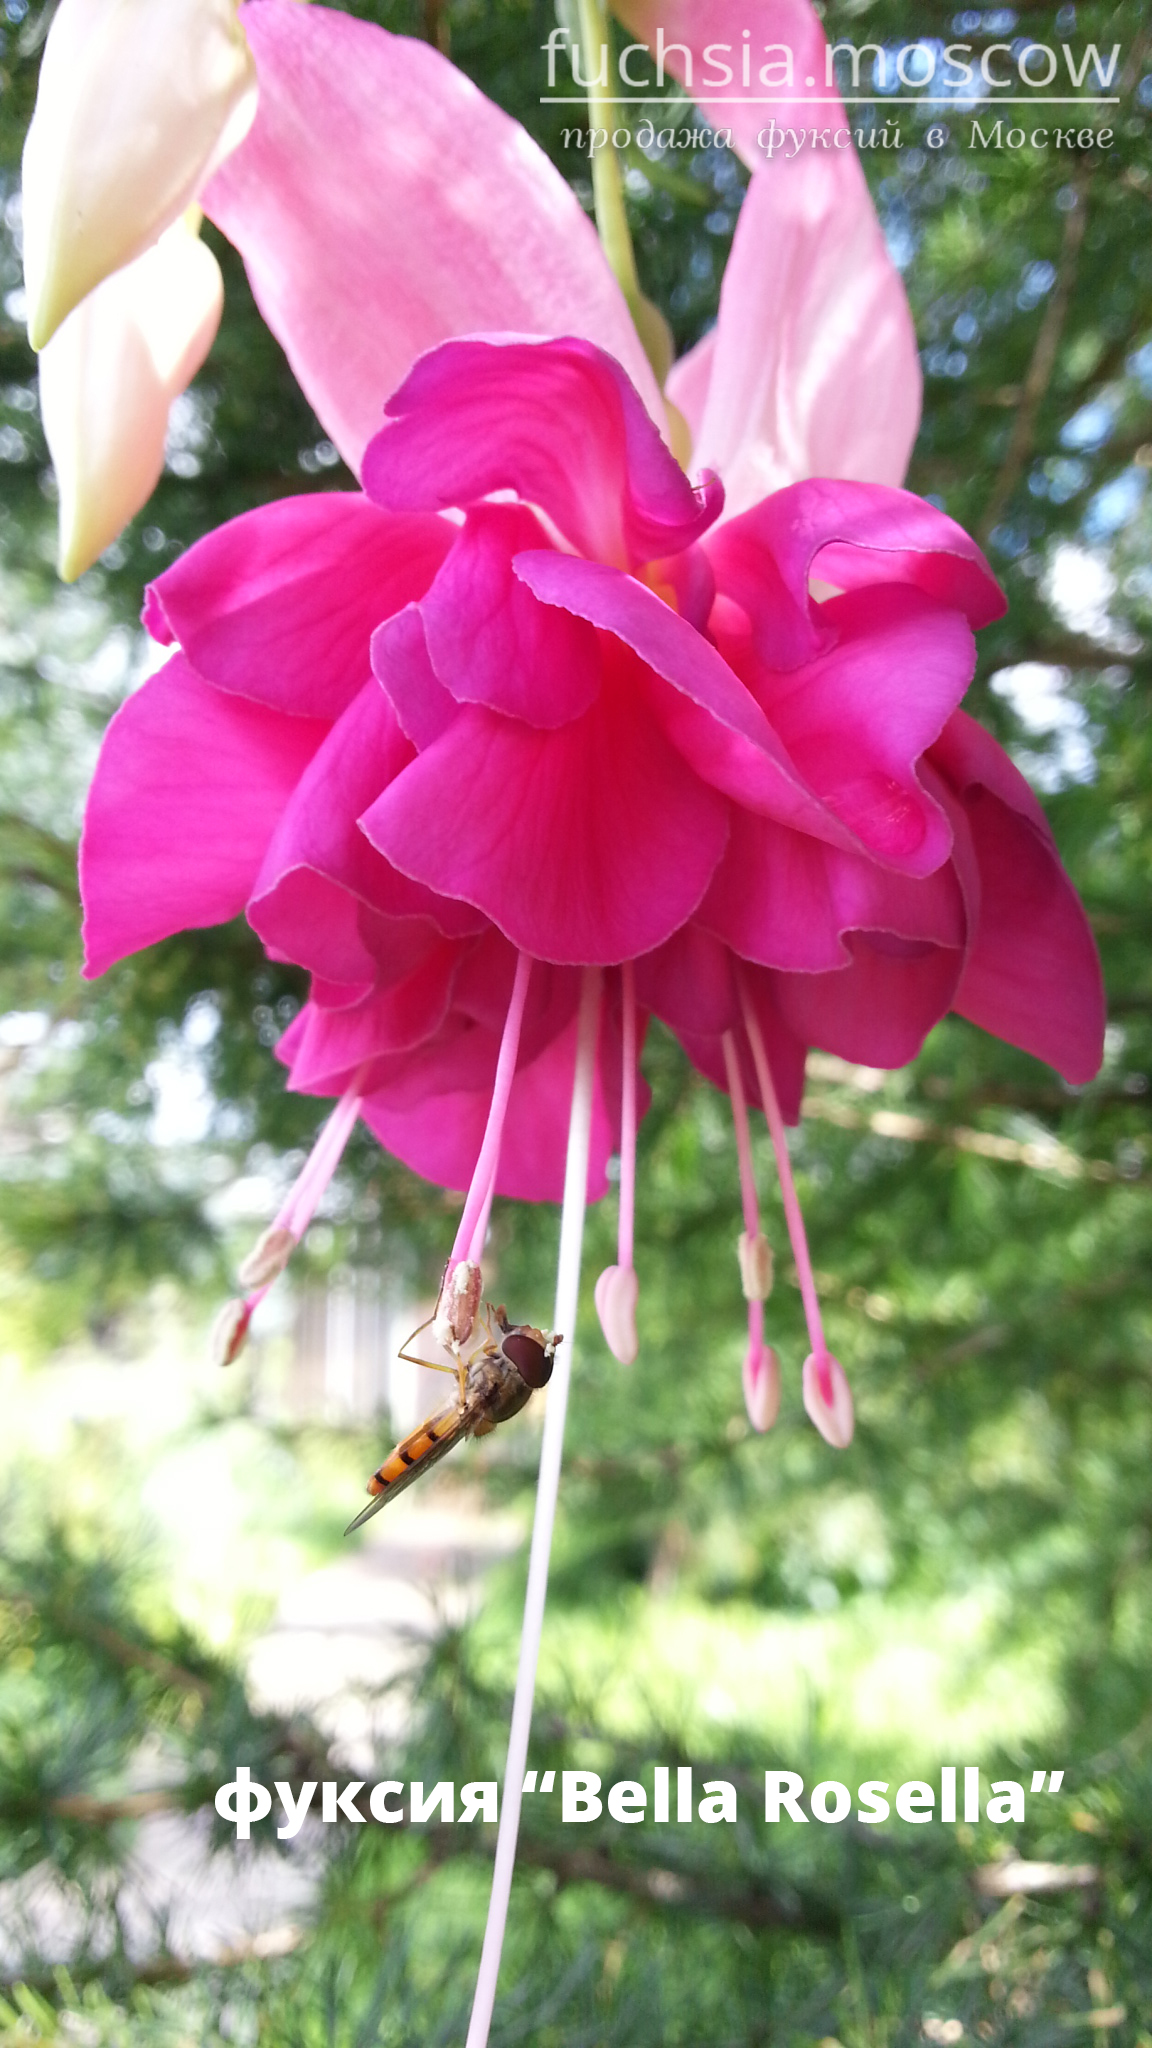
{"x":981,"y":1233}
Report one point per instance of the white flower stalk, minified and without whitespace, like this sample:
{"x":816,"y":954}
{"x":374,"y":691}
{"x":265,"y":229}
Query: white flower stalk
{"x":138,"y":103}
{"x":547,"y":1488}
{"x":108,"y":377}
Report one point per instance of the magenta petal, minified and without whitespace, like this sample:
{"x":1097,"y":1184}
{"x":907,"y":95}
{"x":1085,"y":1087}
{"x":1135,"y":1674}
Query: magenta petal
{"x":687,"y":982}
{"x":784,"y":900}
{"x":590,"y":843}
{"x":878,"y":1010}
{"x":853,"y":534}
{"x":280,"y":603}
{"x":555,"y":421}
{"x":491,"y":642}
{"x":187,"y":793}
{"x":856,"y":719}
{"x":968,"y":755}
{"x":381,"y":203}
{"x":771,"y":898}
{"x":335,"y":1043}
{"x":320,"y":880}
{"x":401,"y":665}
{"x":708,"y":713}
{"x":1032,"y":974}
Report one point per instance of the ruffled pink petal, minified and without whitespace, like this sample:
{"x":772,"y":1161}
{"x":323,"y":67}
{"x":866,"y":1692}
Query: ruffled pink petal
{"x":687,"y":982}
{"x":401,"y":664}
{"x":785,"y":900}
{"x":187,"y":793}
{"x":381,"y":203}
{"x":814,"y":369}
{"x":856,"y":719}
{"x":334,"y":1043}
{"x":854,"y":534}
{"x":280,"y":604}
{"x":967,"y":755}
{"x":491,"y":642}
{"x":707,"y":713}
{"x":324,"y":897}
{"x":588,"y":844}
{"x":1033,"y":974}
{"x":878,"y":1010}
{"x":556,"y":421}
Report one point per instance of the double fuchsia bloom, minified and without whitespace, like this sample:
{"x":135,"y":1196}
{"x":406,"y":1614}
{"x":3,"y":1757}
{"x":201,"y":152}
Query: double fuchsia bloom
{"x":580,"y":752}
{"x":599,"y":730}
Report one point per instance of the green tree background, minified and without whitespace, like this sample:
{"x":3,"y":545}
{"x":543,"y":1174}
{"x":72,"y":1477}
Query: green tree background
{"x":972,"y":1582}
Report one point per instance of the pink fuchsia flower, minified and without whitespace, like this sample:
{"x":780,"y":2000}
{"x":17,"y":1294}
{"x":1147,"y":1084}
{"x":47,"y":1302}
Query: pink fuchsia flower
{"x":601,"y":730}
{"x":599,"y":727}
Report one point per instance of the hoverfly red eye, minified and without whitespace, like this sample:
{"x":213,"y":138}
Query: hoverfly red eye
{"x":529,"y":1354}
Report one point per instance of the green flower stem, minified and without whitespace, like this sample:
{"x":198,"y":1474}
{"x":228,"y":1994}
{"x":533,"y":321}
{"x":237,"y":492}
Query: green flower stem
{"x":608,"y":191}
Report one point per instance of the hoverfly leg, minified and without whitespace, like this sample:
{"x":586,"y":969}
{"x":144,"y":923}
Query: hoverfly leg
{"x":459,"y":1366}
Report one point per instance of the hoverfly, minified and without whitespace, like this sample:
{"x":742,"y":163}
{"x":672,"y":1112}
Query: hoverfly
{"x":496,"y":1381}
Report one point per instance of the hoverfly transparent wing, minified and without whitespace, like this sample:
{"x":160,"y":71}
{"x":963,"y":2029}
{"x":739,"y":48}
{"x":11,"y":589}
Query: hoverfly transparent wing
{"x":416,"y":1454}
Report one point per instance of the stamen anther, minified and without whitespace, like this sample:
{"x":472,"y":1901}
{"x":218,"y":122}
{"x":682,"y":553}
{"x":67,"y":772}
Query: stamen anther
{"x":761,"y":1378}
{"x":755,"y":1255}
{"x":458,"y":1304}
{"x":268,"y":1257}
{"x":229,"y":1332}
{"x":617,"y":1292}
{"x":828,"y":1399}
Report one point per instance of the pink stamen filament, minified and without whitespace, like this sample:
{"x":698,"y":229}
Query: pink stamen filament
{"x":626,"y":1225}
{"x":748,"y":1200}
{"x":480,"y":1234}
{"x":303,"y":1198}
{"x":793,"y":1217}
{"x":739,"y":1103}
{"x":469,"y":1244}
{"x":551,"y":1452}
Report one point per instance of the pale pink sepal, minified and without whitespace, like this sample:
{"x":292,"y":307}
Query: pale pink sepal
{"x":107,"y":378}
{"x":814,"y":368}
{"x":828,"y":1399}
{"x":785,"y":43}
{"x":761,"y":1377}
{"x":617,"y":1292}
{"x":137,"y":104}
{"x":382,"y":204}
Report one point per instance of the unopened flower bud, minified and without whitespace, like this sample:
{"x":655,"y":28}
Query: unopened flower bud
{"x":617,"y":1292}
{"x":268,"y":1257}
{"x":761,"y":1385}
{"x":755,"y":1256}
{"x":457,"y":1304}
{"x":229,"y":1332}
{"x":828,"y":1399}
